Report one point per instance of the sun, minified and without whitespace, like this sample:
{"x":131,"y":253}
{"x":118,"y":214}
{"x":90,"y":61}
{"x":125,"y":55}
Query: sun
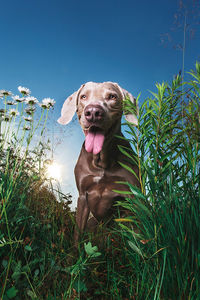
{"x":54,"y":171}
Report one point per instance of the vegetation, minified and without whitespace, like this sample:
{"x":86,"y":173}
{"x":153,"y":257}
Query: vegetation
{"x":154,"y":253}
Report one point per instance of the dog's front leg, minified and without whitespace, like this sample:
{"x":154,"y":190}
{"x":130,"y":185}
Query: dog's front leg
{"x":82,"y":214}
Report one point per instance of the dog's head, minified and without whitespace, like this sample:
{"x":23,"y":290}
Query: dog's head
{"x":99,"y":106}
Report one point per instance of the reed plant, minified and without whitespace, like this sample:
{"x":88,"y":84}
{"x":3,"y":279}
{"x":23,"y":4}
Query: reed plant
{"x":163,"y":240}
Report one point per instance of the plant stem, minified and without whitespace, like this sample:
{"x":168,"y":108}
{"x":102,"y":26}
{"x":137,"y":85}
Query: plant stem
{"x":20,"y":120}
{"x":139,"y":165}
{"x":183,"y":58}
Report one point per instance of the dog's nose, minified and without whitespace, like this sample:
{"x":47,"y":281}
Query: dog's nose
{"x":94,"y":113}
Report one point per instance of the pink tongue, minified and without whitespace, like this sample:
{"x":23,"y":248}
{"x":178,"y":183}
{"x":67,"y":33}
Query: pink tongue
{"x":94,"y":142}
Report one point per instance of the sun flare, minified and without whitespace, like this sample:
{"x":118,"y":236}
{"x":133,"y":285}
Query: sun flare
{"x":54,"y":171}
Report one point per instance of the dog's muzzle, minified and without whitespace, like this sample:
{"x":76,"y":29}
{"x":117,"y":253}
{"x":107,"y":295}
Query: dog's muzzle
{"x":94,"y":113}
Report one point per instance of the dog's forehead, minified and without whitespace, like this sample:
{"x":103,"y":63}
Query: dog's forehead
{"x":101,"y":86}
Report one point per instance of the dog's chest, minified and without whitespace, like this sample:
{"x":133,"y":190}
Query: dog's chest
{"x":101,"y":193}
{"x":97,"y":179}
{"x":101,"y":184}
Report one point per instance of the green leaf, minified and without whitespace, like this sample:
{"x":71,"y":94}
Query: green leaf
{"x":122,"y":192}
{"x":132,"y":157}
{"x":16,"y":275}
{"x":4,"y":263}
{"x":36,"y":273}
{"x":149,"y":143}
{"x":12,"y":292}
{"x":135,"y":248}
{"x":128,"y":169}
{"x":79,"y":286}
{"x":28,"y":248}
{"x":31,"y":294}
{"x":17,"y":271}
{"x":91,"y":251}
{"x":135,"y":191}
{"x":124,"y":220}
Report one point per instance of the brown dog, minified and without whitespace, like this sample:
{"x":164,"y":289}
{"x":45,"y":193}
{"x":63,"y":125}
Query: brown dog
{"x":99,"y":107}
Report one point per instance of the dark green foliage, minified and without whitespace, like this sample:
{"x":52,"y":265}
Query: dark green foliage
{"x":34,"y":228}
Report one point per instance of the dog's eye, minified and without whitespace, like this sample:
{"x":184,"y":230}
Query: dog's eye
{"x":112,"y":97}
{"x":83,"y":97}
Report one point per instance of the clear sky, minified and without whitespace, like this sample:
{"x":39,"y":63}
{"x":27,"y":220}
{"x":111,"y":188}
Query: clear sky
{"x":53,"y":46}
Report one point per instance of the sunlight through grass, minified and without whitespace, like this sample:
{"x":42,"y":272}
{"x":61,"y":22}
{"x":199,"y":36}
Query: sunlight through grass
{"x":54,"y":171}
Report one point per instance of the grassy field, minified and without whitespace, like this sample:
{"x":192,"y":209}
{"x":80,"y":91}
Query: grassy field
{"x":152,"y":254}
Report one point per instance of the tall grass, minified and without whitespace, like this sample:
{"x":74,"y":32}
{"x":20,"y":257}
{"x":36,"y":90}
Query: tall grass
{"x":28,"y":208}
{"x":166,"y":210}
{"x":151,"y":254}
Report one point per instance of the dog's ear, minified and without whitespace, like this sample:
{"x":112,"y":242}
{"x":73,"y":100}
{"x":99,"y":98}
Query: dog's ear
{"x":69,"y":108}
{"x":129,"y":116}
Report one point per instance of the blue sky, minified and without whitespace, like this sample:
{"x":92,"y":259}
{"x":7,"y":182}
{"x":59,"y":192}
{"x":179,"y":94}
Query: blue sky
{"x":52,"y":47}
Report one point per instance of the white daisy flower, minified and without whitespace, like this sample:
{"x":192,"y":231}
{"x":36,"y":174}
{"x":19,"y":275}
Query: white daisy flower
{"x":24,"y":90}
{"x":5,"y":93}
{"x":30,"y":109}
{"x":27,"y":128}
{"x":29,"y":119}
{"x":13,"y":112}
{"x":47,"y":103}
{"x":31,"y":100}
{"x":18,"y":99}
{"x":1,"y":95}
{"x":2,"y":111}
{"x":9,"y":102}
{"x":6,"y":118}
{"x":43,"y":105}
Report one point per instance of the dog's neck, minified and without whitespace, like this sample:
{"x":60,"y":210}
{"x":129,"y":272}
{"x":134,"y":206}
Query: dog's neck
{"x":108,"y":155}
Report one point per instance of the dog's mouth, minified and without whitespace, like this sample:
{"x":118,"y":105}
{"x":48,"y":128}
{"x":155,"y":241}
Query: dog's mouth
{"x":94,"y":139}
